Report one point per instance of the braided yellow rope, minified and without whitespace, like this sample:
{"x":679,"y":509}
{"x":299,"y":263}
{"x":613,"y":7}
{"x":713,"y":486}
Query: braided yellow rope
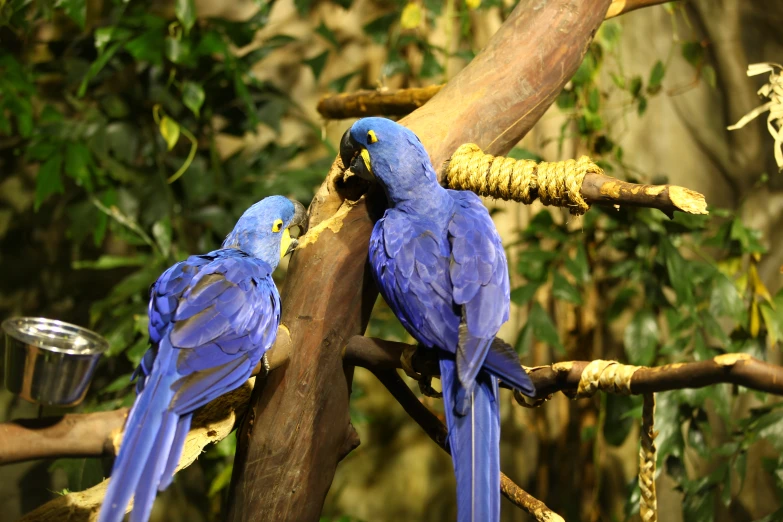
{"x":648,"y":503}
{"x":556,"y":184}
{"x":609,"y":376}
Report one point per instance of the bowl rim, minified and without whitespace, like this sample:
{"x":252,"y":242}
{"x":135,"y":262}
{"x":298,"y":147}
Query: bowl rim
{"x":97,"y":343}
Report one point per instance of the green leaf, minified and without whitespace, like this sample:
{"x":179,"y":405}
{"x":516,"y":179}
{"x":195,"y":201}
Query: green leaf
{"x":221,"y":481}
{"x":656,"y":77}
{"x":693,"y":53}
{"x":327,"y":34}
{"x":169,"y":129}
{"x":185,"y":10}
{"x":81,"y":473}
{"x":620,"y":303}
{"x":430,"y":66}
{"x":677,"y":268}
{"x":642,"y":107}
{"x":618,"y":425}
{"x":725,"y":301}
{"x":708,"y":73}
{"x":148,"y":47}
{"x":317,"y":64}
{"x":519,"y":153}
{"x":78,"y":161}
{"x":178,"y":51}
{"x":76,"y":10}
{"x":641,"y":338}
{"x":98,"y":65}
{"x":161,"y":231}
{"x":635,"y":87}
{"x":120,"y":383}
{"x":49,"y":180}
{"x":378,"y":29}
{"x":578,"y":266}
{"x":339,"y":84}
{"x":543,"y":328}
{"x":594,"y":100}
{"x":193,"y":96}
{"x":562,"y":289}
{"x":522,"y":294}
{"x":108,"y":262}
{"x":110,"y":33}
{"x":566,"y":100}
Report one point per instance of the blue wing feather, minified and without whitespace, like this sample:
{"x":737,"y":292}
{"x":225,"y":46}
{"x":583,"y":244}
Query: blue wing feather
{"x":211,"y":318}
{"x":445,"y":276}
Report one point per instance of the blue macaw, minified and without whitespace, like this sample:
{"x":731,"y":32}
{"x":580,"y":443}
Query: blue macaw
{"x":211,"y":319}
{"x":439,"y":264}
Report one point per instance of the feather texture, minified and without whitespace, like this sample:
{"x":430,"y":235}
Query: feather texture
{"x":440,"y":265}
{"x":211,"y":318}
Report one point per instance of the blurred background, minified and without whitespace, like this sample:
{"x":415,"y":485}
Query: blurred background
{"x":133,"y":133}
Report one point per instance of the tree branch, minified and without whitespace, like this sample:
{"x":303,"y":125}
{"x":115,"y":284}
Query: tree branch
{"x":438,"y":433}
{"x":211,"y":424}
{"x":399,"y":102}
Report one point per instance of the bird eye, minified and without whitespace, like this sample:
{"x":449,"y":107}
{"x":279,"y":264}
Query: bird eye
{"x":277,"y":225}
{"x":371,"y":137}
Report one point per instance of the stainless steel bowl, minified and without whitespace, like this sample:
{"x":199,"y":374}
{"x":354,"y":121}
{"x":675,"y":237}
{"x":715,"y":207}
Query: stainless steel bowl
{"x":50,"y":362}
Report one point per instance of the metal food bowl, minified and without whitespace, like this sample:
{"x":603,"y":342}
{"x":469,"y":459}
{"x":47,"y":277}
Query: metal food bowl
{"x":50,"y":362}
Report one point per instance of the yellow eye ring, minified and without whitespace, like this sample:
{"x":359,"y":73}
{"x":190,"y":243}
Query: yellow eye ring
{"x":277,"y":225}
{"x":371,"y":137}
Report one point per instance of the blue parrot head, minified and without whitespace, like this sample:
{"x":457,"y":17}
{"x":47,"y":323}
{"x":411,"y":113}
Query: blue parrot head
{"x":263,"y":230}
{"x":382,"y":150}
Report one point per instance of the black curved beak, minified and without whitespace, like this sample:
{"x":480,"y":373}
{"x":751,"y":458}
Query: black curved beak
{"x":299,"y":220}
{"x":351,"y":155}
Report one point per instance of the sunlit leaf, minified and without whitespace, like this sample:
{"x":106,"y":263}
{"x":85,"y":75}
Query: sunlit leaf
{"x":185,"y":10}
{"x":169,"y":129}
{"x":411,"y":16}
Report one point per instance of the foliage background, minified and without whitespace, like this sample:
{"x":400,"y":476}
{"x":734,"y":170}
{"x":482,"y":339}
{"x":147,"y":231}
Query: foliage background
{"x":102,"y":102}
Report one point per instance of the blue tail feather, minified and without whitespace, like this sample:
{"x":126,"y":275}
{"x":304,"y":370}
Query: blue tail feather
{"x":146,"y":438}
{"x":183,"y":427}
{"x":474,"y":442}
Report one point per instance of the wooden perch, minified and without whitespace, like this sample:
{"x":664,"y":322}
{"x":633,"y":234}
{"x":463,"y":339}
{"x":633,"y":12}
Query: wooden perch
{"x":734,"y":368}
{"x":399,"y":102}
{"x":387,"y":102}
{"x":216,"y":420}
{"x":573,"y":184}
{"x":211,"y":424}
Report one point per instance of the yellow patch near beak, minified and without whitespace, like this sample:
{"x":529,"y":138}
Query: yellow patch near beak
{"x":366,"y":158}
{"x":285,"y":242}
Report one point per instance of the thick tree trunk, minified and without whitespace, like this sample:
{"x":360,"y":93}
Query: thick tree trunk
{"x":298,"y":427}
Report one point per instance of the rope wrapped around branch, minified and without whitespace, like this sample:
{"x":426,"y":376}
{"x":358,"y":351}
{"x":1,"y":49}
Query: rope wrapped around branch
{"x":614,"y":377}
{"x":557,"y":184}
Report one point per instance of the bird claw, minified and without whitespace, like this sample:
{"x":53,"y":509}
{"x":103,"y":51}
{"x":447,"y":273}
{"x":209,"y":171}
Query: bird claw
{"x":425,"y":381}
{"x":265,"y":362}
{"x":406,"y":361}
{"x":425,"y":386}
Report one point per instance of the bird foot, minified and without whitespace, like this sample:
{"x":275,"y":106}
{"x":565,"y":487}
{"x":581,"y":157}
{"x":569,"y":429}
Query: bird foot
{"x":265,"y":362}
{"x":425,"y":386}
{"x":425,"y":381}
